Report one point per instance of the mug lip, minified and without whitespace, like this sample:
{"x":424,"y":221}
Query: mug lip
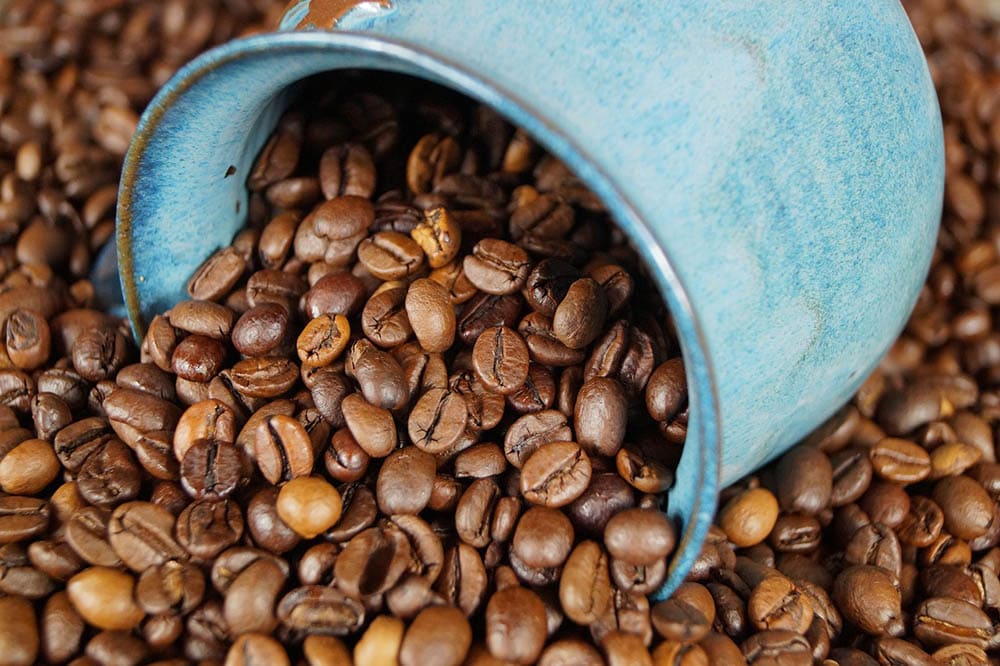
{"x":706,"y":417}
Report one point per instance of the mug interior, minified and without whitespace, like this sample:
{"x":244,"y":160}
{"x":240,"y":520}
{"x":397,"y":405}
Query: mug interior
{"x":183,"y":195}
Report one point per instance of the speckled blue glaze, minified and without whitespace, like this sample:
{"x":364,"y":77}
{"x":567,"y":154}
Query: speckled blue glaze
{"x":778,"y":164}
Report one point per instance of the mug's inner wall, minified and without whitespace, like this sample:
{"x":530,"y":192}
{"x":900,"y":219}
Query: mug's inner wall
{"x":217,"y":114}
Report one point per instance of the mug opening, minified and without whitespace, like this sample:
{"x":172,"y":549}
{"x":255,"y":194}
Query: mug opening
{"x":280,"y":62}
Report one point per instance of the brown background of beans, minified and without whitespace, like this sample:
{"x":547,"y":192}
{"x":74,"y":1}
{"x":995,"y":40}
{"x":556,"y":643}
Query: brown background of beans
{"x":874,"y":542}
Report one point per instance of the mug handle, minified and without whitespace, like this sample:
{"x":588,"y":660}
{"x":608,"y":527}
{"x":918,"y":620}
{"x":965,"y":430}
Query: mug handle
{"x":324,"y":14}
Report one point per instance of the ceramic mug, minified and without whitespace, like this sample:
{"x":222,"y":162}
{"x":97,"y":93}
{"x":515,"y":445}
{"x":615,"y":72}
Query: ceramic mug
{"x":778,"y":165}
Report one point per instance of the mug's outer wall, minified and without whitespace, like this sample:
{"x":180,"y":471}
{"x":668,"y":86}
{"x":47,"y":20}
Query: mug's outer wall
{"x":787,"y":155}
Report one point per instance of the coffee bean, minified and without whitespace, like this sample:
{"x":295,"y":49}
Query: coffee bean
{"x":867,"y":598}
{"x":639,"y":536}
{"x":485,"y":311}
{"x":282,"y":449}
{"x":266,"y":527}
{"x":431,"y":314}
{"x":251,"y":598}
{"x":500,"y":360}
{"x":265,"y":377}
{"x":968,"y":509}
{"x":384,"y":319}
{"x":439,"y":236}
{"x":543,"y":538}
{"x":260,"y":329}
{"x":27,"y":339}
{"x":378,"y":374}
{"x":390,"y":255}
{"x":480,"y":461}
{"x":474,"y":512}
{"x":213,"y":469}
{"x":941,"y":621}
{"x":109,"y":475}
{"x":556,"y":474}
{"x":497,"y":267}
{"x":439,"y":635}
{"x":900,"y":461}
{"x":309,"y":505}
{"x":585,"y":587}
{"x":431,"y":159}
{"x":19,"y":640}
{"x":256,"y":648}
{"x":600,"y":416}
{"x":141,"y":534}
{"x":372,"y":427}
{"x":372,"y":562}
{"x":777,"y":646}
{"x":804,"y":480}
{"x":515,"y":625}
{"x":207,"y":527}
{"x":687,"y":616}
{"x":171,"y":585}
{"x":323,"y":339}
{"x":217,"y":275}
{"x":579,"y":318}
{"x":347,"y":169}
{"x":437,"y":420}
{"x":405,"y":481}
{"x":28,"y":468}
{"x":103,"y":597}
{"x":645,"y":468}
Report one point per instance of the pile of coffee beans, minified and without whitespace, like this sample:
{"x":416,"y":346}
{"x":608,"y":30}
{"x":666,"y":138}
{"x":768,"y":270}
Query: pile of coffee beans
{"x":425,"y":409}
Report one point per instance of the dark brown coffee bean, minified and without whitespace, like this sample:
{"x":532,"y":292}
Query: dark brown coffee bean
{"x":347,"y":169}
{"x":968,"y":509}
{"x":87,"y":535}
{"x":27,"y":339}
{"x":98,"y":354}
{"x":141,"y":534}
{"x":645,"y":468}
{"x":432,"y":158}
{"x":515,"y":625}
{"x":345,"y":460}
{"x":170,"y":586}
{"x":208,"y":419}
{"x":213,"y":469}
{"x":384,"y":319}
{"x":600,"y":416}
{"x":203,"y":318}
{"x":280,"y":154}
{"x":372,"y":562}
{"x":439,"y":635}
{"x":804,"y":480}
{"x":405,"y":481}
{"x":251,"y":598}
{"x":606,"y":495}
{"x":320,"y":610}
{"x":547,"y":284}
{"x":922,"y":524}
{"x":942,"y":621}
{"x":868,"y":599}
{"x":486,"y":311}
{"x":282,"y":449}
{"x":378,"y":374}
{"x":500,"y":360}
{"x":899,"y":651}
{"x":484,"y":407}
{"x":497,"y":267}
{"x":795,"y":533}
{"x":852,"y":474}
{"x":266,"y":527}
{"x":109,"y":475}
{"x":266,"y":377}
{"x":260,"y":329}
{"x":579,"y":319}
{"x":625,"y":352}
{"x":885,"y":503}
{"x":372,"y":427}
{"x":207,"y":527}
{"x":431,"y":314}
{"x":639,"y":536}
{"x":537,"y":393}
{"x":555,"y":474}
{"x":475,"y":511}
{"x":437,"y":421}
{"x":390,"y":255}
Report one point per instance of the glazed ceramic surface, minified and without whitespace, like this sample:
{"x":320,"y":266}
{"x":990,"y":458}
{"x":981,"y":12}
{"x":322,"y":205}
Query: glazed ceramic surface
{"x":778,"y":164}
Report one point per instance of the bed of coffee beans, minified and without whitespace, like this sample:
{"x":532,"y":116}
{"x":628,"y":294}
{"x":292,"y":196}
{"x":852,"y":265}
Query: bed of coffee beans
{"x":425,"y":408}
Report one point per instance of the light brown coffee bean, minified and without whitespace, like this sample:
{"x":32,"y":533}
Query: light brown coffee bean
{"x":431,"y":314}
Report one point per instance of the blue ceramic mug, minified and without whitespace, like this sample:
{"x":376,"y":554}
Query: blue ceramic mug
{"x":778,"y":164}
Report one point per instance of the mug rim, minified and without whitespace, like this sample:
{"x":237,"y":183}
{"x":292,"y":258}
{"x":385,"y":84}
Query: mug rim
{"x":705,"y":410}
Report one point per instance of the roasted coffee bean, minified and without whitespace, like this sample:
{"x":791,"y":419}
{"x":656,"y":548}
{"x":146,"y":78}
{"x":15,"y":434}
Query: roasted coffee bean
{"x":439,"y":236}
{"x":265,"y":377}
{"x":687,"y":616}
{"x":405,"y":481}
{"x":497,"y":267}
{"x":104,"y":598}
{"x":968,"y":509}
{"x":555,"y":474}
{"x":645,"y":466}
{"x":474,"y":512}
{"x":372,"y":427}
{"x":28,"y":468}
{"x":384,"y":319}
{"x":266,"y":527}
{"x":109,"y":475}
{"x":171,"y":585}
{"x":260,"y":329}
{"x":600,"y":416}
{"x":217,"y":275}
{"x":463,"y":579}
{"x":439,"y":635}
{"x":885,"y":503}
{"x":777,"y":646}
{"x":794,"y":533}
{"x":378,"y":374}
{"x":87,"y":535}
{"x":19,"y":639}
{"x":390,"y":255}
{"x":547,"y":284}
{"x":251,"y":598}
{"x":900,"y":461}
{"x":480,"y":461}
{"x":282,"y":449}
{"x":606,"y":495}
{"x":431,"y":315}
{"x":27,"y":339}
{"x":213,"y":469}
{"x":500,"y":360}
{"x":942,"y":621}
{"x":579,"y":318}
{"x":207,"y":527}
{"x":345,"y":460}
{"x":531,"y":431}
{"x":141,"y":534}
{"x":776,"y":603}
{"x":804,"y":479}
{"x":485,"y":311}
{"x":323,"y":339}
{"x":309,"y":505}
{"x":372,"y":562}
{"x":543,"y":538}
{"x":868,"y":599}
{"x":639,"y":536}
{"x":515,"y":625}
{"x":585,"y":588}
{"x":438,"y":420}
{"x":852,"y":474}
{"x":347,"y":169}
